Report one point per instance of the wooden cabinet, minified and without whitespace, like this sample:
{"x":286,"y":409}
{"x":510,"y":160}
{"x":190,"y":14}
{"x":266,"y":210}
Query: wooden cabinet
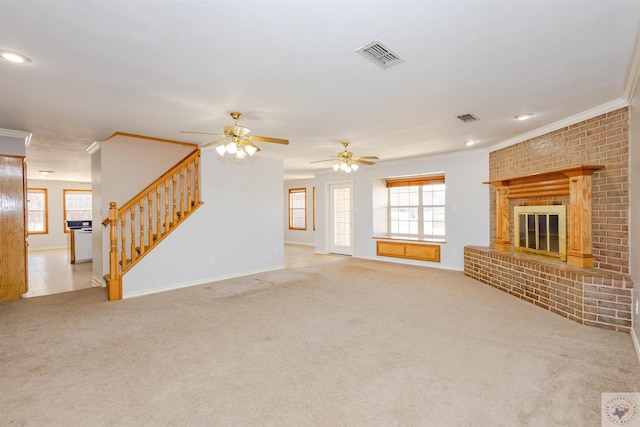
{"x":13,"y":249}
{"x":417,"y":251}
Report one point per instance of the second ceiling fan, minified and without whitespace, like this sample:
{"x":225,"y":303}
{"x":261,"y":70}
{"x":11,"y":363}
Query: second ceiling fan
{"x":346,"y":162}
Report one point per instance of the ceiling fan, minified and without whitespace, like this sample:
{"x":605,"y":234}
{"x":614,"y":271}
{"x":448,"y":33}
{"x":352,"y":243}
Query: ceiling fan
{"x":236,"y":139}
{"x":347,"y":162}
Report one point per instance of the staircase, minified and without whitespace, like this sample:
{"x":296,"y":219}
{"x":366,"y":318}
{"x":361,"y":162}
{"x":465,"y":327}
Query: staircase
{"x":144,"y":221}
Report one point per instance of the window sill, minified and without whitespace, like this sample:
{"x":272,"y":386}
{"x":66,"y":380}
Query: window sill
{"x":410,"y":239}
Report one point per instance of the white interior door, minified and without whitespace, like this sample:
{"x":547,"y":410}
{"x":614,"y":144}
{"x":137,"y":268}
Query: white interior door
{"x":341,"y":218}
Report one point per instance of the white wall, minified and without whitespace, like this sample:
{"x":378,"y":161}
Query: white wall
{"x":127,"y":165}
{"x":236,"y":232}
{"x":301,"y":237}
{"x":634,"y":210}
{"x":467,"y":204}
{"x":97,"y":275}
{"x":56,"y":237}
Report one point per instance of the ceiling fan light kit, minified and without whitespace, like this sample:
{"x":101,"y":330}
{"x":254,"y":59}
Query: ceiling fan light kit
{"x":236,"y":140}
{"x":237,"y":149}
{"x":345,"y":167}
{"x":345,"y":161}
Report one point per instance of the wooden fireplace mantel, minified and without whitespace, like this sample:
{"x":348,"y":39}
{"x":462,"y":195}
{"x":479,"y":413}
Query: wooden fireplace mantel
{"x":575,"y":182}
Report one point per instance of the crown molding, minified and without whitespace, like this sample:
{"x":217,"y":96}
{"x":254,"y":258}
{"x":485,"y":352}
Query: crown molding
{"x":572,"y":120}
{"x":150,"y":138}
{"x":26,"y":136}
{"x":93,"y":147}
{"x":633,"y":70}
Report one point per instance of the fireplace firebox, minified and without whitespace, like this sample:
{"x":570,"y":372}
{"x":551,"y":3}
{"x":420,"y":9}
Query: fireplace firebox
{"x":541,"y":230}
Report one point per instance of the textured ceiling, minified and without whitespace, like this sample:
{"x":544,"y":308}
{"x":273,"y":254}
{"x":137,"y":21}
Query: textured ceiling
{"x":157,"y":67}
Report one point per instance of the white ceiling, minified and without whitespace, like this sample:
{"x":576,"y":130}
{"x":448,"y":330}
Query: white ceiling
{"x":157,"y":67}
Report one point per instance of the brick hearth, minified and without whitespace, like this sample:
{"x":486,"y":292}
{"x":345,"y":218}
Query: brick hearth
{"x":599,"y":296}
{"x":589,"y":296}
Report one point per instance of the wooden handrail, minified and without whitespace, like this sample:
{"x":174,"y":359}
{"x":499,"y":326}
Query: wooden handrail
{"x":132,"y":234}
{"x":135,"y":199}
{"x":164,"y":176}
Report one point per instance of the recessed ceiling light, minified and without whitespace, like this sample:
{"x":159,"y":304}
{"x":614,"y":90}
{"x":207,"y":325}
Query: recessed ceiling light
{"x":469,"y":143}
{"x":523,"y":116}
{"x":14,"y":56}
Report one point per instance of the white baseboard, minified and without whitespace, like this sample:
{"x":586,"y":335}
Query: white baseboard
{"x":97,"y":281}
{"x":196,"y":283}
{"x":47,"y":249}
{"x":412,"y":262}
{"x":299,"y":243}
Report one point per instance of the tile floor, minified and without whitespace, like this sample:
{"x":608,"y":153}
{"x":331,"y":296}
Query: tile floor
{"x":50,"y":271}
{"x":302,"y":255}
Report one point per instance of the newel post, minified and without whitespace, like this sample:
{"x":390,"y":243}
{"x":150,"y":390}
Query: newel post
{"x":114,"y":285}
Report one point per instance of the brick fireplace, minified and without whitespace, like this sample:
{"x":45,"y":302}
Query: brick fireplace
{"x":584,"y":167}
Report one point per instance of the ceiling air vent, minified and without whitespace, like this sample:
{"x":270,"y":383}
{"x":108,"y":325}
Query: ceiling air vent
{"x":467,"y":118}
{"x":379,"y":54}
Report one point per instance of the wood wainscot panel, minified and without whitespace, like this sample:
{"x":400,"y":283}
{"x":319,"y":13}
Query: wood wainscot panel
{"x":416,"y":251}
{"x":423,"y":252}
{"x":390,"y":249}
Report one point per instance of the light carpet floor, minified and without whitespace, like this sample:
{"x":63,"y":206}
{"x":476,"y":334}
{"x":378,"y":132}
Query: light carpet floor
{"x":351,"y":343}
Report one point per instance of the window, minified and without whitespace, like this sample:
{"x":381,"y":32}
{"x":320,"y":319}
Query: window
{"x":37,"y":218}
{"x":77,"y":206}
{"x":297,"y":209}
{"x":417,"y":207}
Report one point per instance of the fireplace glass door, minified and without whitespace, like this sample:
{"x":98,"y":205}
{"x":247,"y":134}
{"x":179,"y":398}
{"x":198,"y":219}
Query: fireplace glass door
{"x":541,"y":230}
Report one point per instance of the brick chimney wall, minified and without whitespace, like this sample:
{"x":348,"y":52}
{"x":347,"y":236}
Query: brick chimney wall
{"x":602,"y":140}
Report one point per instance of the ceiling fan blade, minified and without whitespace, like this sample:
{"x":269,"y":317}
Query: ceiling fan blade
{"x":267,"y":139}
{"x":202,"y":133}
{"x":368,"y":157}
{"x":364,"y":162}
{"x":206,"y":144}
{"x":328,"y":160}
{"x":252,"y":144}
